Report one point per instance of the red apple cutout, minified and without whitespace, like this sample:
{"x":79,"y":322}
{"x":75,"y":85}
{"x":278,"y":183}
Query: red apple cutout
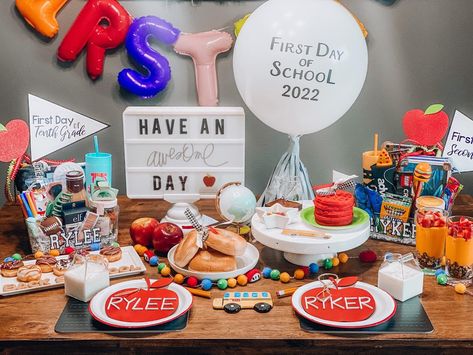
{"x":165,"y":236}
{"x":349,"y":304}
{"x":142,"y":229}
{"x":426,"y":128}
{"x":14,"y":140}
{"x":141,"y":305}
{"x":209,"y":180}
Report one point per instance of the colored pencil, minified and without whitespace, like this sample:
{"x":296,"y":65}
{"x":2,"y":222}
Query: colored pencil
{"x":199,"y":292}
{"x":25,"y":203}
{"x":23,"y":209}
{"x":31,"y":203}
{"x":286,"y":292}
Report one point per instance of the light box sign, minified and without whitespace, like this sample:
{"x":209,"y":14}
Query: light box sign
{"x":182,"y":152}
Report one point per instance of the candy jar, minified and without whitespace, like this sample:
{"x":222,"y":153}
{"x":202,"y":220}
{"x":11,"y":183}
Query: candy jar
{"x":459,"y":248}
{"x":87,"y":275}
{"x":400,"y":276}
{"x":431,"y":231}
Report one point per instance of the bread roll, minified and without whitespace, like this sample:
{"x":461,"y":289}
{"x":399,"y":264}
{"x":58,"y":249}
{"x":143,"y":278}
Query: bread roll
{"x":226,"y":242}
{"x":186,"y":249}
{"x":209,"y":260}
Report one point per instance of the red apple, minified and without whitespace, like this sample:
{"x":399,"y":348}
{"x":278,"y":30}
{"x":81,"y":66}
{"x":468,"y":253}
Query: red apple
{"x":165,"y":236}
{"x":209,"y":180}
{"x":141,"y":230}
{"x":426,"y":128}
{"x":14,"y":140}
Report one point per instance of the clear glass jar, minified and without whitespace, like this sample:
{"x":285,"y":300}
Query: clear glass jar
{"x":431,"y":231}
{"x":108,"y":212}
{"x":459,"y":248}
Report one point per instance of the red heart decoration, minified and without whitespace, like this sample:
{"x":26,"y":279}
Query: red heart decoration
{"x":426,"y":128}
{"x":348,"y":304}
{"x":14,"y":140}
{"x":141,"y":305}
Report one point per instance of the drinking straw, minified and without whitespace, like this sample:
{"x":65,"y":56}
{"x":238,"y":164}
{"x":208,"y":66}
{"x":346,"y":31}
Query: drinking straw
{"x":31,"y":203}
{"x":96,"y":144}
{"x":25,"y":203}
{"x":375,"y":144}
{"x":23,"y":209}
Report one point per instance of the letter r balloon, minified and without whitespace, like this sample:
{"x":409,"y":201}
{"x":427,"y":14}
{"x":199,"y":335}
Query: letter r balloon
{"x":87,"y":30}
{"x":41,"y":14}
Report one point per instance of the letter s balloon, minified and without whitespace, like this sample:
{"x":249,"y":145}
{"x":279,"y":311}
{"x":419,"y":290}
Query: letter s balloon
{"x":87,"y":31}
{"x":41,"y":14}
{"x":203,"y":48}
{"x":138,"y":48}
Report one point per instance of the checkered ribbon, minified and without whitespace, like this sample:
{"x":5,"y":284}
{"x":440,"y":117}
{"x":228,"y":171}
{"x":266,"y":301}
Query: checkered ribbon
{"x":203,"y":232}
{"x":348,"y":184}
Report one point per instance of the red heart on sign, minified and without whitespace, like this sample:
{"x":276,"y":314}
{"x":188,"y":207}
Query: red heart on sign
{"x":14,"y":140}
{"x":141,"y":305}
{"x":348,"y":304}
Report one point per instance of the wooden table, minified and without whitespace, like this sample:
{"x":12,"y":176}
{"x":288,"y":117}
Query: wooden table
{"x":27,"y":321}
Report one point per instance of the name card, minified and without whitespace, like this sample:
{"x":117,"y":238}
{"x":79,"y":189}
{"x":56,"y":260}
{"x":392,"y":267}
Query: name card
{"x":182,"y":152}
{"x":459,"y":145}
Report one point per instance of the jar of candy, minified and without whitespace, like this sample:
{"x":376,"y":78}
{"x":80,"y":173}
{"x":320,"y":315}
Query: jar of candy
{"x":459,"y":248}
{"x":431,"y":231}
{"x":108,"y":212}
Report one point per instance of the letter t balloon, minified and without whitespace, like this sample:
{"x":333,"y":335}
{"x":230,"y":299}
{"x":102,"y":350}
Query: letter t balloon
{"x":204,"y":47}
{"x":87,"y":30}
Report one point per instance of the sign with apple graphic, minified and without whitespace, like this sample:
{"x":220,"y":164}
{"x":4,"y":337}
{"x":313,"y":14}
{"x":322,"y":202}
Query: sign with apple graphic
{"x":426,"y":128}
{"x":14,"y":140}
{"x":459,"y":145}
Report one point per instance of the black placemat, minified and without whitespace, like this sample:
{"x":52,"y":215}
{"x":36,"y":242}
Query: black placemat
{"x":75,"y":318}
{"x":410,"y":318}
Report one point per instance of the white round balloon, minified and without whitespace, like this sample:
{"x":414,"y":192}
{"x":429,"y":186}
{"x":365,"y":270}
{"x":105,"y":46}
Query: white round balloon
{"x":299,"y":65}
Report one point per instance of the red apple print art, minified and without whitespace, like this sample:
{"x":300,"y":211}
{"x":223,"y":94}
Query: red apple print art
{"x":426,"y":128}
{"x":209,"y":180}
{"x":14,"y":140}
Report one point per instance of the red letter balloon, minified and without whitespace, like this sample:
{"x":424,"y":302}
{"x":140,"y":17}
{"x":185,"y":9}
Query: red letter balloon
{"x":88,"y":30}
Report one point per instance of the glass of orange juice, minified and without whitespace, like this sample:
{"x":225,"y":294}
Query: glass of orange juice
{"x":459,"y":248}
{"x":431,"y":232}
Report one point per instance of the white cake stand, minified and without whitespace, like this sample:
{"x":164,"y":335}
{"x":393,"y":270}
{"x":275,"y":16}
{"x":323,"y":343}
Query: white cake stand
{"x":305,"y":250}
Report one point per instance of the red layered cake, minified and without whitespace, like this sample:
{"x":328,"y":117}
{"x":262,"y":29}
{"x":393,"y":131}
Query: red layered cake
{"x":334,"y":210}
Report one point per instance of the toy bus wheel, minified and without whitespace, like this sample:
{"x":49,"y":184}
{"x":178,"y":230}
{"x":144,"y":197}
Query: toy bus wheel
{"x":232,"y":308}
{"x":262,"y":307}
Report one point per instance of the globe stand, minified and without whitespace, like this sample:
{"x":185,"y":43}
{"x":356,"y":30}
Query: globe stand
{"x":289,"y":167}
{"x":176,"y":213}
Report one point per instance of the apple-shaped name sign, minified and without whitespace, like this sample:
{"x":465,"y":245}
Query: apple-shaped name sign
{"x":427,"y":127}
{"x":142,"y":305}
{"x":14,"y":140}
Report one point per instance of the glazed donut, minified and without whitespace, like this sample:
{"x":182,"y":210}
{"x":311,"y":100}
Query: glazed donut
{"x":124,"y":268}
{"x":29,"y":273}
{"x":210,"y":260}
{"x":112,"y":253}
{"x":10,"y":268}
{"x":46,"y":263}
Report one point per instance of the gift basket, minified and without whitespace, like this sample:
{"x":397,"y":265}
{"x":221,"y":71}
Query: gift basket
{"x":400,"y":178}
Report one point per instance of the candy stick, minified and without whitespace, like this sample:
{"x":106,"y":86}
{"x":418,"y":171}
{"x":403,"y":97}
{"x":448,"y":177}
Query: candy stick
{"x":23,"y":209}
{"x":198,"y":292}
{"x":25,"y":203}
{"x":31,"y":203}
{"x":375,"y":144}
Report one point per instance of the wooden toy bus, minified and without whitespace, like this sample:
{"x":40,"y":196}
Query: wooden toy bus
{"x":233,"y":302}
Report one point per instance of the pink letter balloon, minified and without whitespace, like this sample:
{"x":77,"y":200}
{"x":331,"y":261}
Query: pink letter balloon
{"x":87,"y":31}
{"x":203,"y":48}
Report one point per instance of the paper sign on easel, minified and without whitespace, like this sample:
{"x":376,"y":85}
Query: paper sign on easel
{"x":459,"y":145}
{"x":53,"y":127}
